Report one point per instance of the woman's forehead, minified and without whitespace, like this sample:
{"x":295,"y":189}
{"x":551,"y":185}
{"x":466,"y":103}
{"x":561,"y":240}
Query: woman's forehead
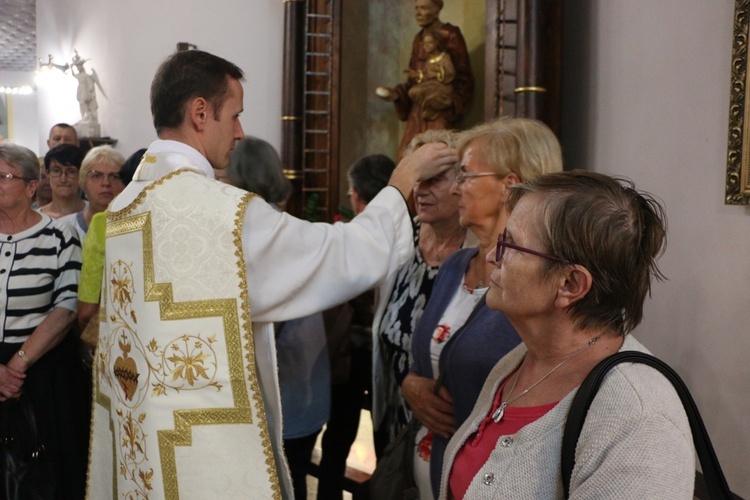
{"x":526,"y":215}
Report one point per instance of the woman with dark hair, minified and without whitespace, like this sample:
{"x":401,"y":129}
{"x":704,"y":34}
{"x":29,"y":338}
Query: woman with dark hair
{"x":62,"y":164}
{"x":38,"y":359}
{"x":255,"y":166}
{"x":571,"y":272}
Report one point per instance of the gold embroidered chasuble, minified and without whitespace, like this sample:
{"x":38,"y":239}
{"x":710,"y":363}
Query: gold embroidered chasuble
{"x":177,"y":410}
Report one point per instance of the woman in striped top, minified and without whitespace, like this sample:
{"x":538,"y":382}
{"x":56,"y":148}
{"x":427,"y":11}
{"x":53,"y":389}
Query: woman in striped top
{"x":40,"y":264}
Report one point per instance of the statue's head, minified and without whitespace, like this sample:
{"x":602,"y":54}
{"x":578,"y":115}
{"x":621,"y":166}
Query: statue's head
{"x":431,"y":42}
{"x":427,"y":11}
{"x":77,"y":60}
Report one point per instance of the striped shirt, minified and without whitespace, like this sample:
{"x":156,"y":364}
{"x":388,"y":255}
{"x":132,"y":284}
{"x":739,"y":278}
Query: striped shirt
{"x":39,"y":270}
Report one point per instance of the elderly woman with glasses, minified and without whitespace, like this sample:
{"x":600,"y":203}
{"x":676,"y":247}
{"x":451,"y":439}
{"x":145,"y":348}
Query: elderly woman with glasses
{"x":459,"y":338}
{"x":100,"y":181}
{"x":571,"y":273}
{"x":39,"y":268}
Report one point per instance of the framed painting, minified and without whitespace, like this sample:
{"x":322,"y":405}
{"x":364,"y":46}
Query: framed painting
{"x":738,"y":156}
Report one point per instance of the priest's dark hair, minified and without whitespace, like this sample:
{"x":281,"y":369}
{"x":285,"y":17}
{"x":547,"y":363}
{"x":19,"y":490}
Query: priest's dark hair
{"x":185,"y":76}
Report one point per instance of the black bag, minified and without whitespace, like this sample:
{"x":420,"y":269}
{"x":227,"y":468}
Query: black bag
{"x":393,"y":478}
{"x":716,"y":484}
{"x":26,"y":473}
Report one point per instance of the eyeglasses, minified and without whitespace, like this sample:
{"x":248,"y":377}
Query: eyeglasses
{"x":462,"y":177}
{"x":70,"y":172}
{"x":7,"y":176}
{"x":502,"y":245}
{"x":98,"y":176}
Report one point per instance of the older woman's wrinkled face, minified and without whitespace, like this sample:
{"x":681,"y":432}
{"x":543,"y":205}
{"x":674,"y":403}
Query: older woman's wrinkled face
{"x":519,"y":286}
{"x":15,"y":192}
{"x":434,"y":200}
{"x":480,"y":197}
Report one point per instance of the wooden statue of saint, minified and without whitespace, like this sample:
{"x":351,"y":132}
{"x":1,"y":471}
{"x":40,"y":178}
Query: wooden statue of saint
{"x":439,"y":80}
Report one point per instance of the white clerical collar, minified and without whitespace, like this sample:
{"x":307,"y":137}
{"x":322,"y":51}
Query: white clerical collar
{"x":194,"y":158}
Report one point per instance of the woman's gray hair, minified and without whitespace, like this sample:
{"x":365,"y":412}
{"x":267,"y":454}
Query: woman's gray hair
{"x":447,"y":137}
{"x":21,"y":158}
{"x":255,"y":166}
{"x":606,"y":225}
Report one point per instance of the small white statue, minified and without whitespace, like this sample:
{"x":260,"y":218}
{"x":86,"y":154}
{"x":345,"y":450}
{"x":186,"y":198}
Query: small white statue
{"x":88,"y":126}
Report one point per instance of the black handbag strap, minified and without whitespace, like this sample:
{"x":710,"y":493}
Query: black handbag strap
{"x":716,"y":483}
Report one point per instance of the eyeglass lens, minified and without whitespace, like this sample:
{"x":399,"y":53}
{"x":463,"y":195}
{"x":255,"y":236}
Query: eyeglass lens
{"x":70,"y":173}
{"x":99,"y":176}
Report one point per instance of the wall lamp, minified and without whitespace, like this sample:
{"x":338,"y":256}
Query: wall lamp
{"x":17,"y":90}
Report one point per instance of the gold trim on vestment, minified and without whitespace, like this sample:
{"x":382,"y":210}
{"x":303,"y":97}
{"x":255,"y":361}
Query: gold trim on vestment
{"x":121,"y":214}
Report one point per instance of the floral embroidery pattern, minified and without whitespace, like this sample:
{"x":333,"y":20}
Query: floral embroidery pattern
{"x":133,"y":454}
{"x":187,"y":362}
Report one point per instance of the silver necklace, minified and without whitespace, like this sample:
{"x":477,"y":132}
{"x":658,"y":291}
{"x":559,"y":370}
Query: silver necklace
{"x":497,"y":415}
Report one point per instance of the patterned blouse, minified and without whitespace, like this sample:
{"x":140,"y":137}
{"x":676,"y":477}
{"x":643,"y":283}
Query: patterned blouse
{"x":410,"y":293}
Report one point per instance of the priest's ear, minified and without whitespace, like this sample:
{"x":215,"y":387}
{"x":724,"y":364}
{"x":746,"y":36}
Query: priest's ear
{"x":198,"y":112}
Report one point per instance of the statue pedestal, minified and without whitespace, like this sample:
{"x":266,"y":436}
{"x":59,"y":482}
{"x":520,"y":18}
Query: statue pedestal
{"x":92,"y":142}
{"x":88,"y":129}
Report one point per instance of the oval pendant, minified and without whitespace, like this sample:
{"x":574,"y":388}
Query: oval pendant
{"x":497,"y":416}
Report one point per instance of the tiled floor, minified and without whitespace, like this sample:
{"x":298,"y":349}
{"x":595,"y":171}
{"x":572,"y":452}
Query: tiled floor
{"x":361,"y":455}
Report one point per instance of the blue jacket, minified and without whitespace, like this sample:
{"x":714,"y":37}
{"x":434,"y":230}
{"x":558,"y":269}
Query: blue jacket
{"x":468,"y":356}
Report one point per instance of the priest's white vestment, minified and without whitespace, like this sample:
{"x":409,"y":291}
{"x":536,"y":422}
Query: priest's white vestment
{"x":186,"y":401}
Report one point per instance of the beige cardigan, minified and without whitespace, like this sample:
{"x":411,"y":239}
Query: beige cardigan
{"x":635,"y":443}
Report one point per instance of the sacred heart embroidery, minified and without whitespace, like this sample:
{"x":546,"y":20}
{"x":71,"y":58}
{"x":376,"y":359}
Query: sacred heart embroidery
{"x":126,"y":371}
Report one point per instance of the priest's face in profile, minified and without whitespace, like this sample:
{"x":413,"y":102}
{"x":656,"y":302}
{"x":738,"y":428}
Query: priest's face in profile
{"x":223,"y":127}
{"x":426,"y":12}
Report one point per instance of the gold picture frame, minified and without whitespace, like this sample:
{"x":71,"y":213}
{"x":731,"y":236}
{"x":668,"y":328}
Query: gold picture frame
{"x":738,"y":157}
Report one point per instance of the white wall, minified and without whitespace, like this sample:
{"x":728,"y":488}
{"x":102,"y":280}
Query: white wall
{"x":126,"y":42}
{"x":647,"y":96}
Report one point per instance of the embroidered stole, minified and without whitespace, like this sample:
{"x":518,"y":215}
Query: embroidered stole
{"x":177,"y":407}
